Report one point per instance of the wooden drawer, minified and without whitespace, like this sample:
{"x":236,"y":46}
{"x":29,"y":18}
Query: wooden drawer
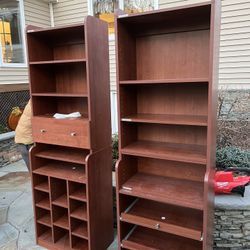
{"x":72,"y":133}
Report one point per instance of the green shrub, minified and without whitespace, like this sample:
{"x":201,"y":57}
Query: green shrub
{"x":232,"y":157}
{"x":115,"y":151}
{"x":3,"y":129}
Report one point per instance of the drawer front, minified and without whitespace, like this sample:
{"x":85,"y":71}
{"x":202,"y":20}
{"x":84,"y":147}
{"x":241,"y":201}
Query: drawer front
{"x":72,"y":133}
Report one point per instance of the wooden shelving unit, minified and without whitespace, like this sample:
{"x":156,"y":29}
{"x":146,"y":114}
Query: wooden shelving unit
{"x":71,"y":161}
{"x":167,"y":78}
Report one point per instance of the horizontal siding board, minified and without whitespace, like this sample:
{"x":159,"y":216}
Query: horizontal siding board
{"x":70,"y":11}
{"x":37,"y":13}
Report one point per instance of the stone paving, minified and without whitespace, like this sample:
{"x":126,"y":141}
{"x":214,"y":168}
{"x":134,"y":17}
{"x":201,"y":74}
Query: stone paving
{"x":16,"y":210}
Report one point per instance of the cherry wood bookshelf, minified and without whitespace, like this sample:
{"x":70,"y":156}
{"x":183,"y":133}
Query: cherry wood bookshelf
{"x":167,"y":64}
{"x":71,"y":161}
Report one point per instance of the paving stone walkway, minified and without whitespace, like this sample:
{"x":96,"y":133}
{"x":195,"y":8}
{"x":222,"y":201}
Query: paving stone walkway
{"x":17,"y":230}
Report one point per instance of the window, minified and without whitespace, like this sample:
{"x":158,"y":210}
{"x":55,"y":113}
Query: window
{"x":104,"y":9}
{"x":11,"y":33}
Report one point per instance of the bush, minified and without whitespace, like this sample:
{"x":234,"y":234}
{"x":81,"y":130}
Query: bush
{"x":3,"y":129}
{"x":232,"y":157}
{"x":115,"y":151}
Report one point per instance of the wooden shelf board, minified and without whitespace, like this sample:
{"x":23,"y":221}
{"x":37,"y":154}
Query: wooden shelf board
{"x":62,"y":171}
{"x":79,"y":195}
{"x":167,"y":151}
{"x":80,"y":231}
{"x":44,"y":187}
{"x":79,"y":213}
{"x":55,"y":94}
{"x":61,"y":201}
{"x":45,"y":220}
{"x":46,"y":236}
{"x":81,"y":246}
{"x":167,"y":119}
{"x":58,"y":61}
{"x":148,"y":239}
{"x":63,"y":243}
{"x":45,"y":204}
{"x":171,"y":219}
{"x":62,"y":222}
{"x":67,"y":155}
{"x":165,"y":81}
{"x":167,"y":190}
{"x":50,"y":116}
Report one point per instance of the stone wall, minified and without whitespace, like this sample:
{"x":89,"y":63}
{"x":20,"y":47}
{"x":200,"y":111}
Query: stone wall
{"x":8,"y":149}
{"x":232,"y":222}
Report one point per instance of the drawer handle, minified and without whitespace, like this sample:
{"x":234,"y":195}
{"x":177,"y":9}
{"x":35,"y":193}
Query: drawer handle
{"x":157,"y":226}
{"x":42,"y":130}
{"x":73,"y":134}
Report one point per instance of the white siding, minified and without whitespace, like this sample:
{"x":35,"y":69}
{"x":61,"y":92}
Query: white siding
{"x":36,"y":13}
{"x":234,"y":66}
{"x":70,"y":11}
{"x":112,"y":63}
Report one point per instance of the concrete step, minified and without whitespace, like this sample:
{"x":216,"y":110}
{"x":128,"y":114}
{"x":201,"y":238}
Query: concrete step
{"x":8,"y":237}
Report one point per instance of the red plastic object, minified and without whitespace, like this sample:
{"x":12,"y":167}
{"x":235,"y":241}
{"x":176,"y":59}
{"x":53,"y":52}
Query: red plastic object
{"x":226,"y":183}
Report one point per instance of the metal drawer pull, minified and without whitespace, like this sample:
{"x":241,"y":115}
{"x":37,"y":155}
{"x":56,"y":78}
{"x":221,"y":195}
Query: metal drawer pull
{"x":73,"y":134}
{"x":157,"y":226}
{"x":42,"y":130}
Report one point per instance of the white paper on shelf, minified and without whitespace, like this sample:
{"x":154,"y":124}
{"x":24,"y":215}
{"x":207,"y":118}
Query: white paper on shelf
{"x":67,"y":116}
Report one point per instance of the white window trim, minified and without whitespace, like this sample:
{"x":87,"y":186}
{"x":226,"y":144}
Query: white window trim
{"x":18,"y":65}
{"x":121,"y":6}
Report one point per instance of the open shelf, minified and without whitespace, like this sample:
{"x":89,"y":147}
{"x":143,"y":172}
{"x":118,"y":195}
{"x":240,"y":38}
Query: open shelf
{"x":60,"y":217}
{"x":70,"y":172}
{"x":57,"y":104}
{"x":167,"y":190}
{"x":78,"y":210}
{"x":66,"y":154}
{"x":167,"y":151}
{"x":41,"y":183}
{"x":44,"y":234}
{"x":42,"y":199}
{"x":143,"y":238}
{"x":43,"y":216}
{"x":79,"y":228}
{"x":62,"y":222}
{"x":164,"y":81}
{"x":182,"y":104}
{"x":61,"y":237}
{"x":193,"y":120}
{"x":77,"y":191}
{"x":166,"y":218}
{"x":79,"y":243}
{"x":61,"y":201}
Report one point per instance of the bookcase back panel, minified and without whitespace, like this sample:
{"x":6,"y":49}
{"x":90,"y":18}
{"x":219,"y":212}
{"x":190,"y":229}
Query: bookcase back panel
{"x":59,"y":105}
{"x":69,"y":51}
{"x":71,"y":79}
{"x":164,"y":133}
{"x":186,"y":171}
{"x":176,"y":55}
{"x":177,"y":99}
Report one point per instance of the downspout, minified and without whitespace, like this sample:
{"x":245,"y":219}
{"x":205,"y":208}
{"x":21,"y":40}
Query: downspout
{"x":51,"y":11}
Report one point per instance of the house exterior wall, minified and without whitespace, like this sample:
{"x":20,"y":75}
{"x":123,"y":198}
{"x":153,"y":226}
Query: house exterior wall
{"x":36,"y":12}
{"x":70,"y":11}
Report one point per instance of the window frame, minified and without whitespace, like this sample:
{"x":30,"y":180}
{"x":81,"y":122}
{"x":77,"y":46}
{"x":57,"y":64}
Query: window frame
{"x":22,"y":26}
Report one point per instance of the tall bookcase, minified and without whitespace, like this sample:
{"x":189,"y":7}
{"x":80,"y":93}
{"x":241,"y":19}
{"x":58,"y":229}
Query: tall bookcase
{"x":167,"y":64}
{"x":71,"y":161}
